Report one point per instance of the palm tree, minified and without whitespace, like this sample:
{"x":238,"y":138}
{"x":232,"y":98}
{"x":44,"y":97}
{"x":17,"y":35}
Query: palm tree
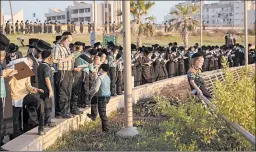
{"x":151,"y":18}
{"x":184,"y":21}
{"x":139,"y":9}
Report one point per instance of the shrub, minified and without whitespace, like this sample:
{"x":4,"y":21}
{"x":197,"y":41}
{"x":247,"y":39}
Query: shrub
{"x":251,"y":32}
{"x":159,"y":34}
{"x":235,"y":99}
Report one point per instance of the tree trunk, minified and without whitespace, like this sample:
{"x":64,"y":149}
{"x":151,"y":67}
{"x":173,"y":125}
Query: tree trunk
{"x":140,"y":32}
{"x":185,"y":39}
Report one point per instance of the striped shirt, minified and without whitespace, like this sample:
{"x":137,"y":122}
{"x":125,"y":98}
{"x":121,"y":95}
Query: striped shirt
{"x":61,"y":52}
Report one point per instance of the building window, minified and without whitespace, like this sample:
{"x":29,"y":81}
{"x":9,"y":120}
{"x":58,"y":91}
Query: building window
{"x":48,"y":18}
{"x":75,"y":11}
{"x":88,"y":19}
{"x":58,"y":17}
{"x":63,"y":17}
{"x":53,"y":17}
{"x":218,"y":15}
{"x":81,"y":10}
{"x":81,"y":19}
{"x":87,"y":10}
{"x":230,"y":14}
{"x":75,"y":19}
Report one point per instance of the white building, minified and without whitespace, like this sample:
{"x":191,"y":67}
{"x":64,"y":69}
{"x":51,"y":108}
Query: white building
{"x":84,"y":12}
{"x":16,"y":16}
{"x":224,"y":13}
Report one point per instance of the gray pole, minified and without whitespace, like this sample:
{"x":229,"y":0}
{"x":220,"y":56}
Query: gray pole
{"x":201,"y":23}
{"x":1,"y":17}
{"x":95,"y":22}
{"x":246,"y":32}
{"x":129,"y":130}
{"x":107,"y":17}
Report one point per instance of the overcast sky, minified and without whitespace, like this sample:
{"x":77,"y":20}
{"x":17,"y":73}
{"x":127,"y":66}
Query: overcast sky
{"x":161,"y":8}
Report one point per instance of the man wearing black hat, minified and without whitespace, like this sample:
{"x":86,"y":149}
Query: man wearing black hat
{"x":136,"y":67}
{"x":36,"y":56}
{"x":45,"y":27}
{"x":106,"y":27}
{"x":101,"y":90}
{"x":40,"y":27}
{"x":31,"y":26}
{"x":97,"y":45}
{"x":119,"y":74}
{"x":78,"y":80}
{"x":81,"y":27}
{"x":89,"y":27}
{"x":13,"y":53}
{"x":4,"y":42}
{"x":7,"y":27}
{"x":147,"y":72}
{"x":27,"y":27}
{"x":114,"y":27}
{"x":113,"y":69}
{"x":17,"y":26}
{"x":64,"y":76}
{"x":21,"y":27}
{"x":57,"y":38}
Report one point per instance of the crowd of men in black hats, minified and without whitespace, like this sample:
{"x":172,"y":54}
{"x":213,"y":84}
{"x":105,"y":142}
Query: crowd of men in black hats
{"x":81,"y":76}
{"x":47,"y":27}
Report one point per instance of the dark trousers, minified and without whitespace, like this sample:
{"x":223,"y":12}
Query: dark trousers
{"x":76,"y":91}
{"x":64,"y":89}
{"x":31,"y":102}
{"x":138,"y":76}
{"x":85,"y":89}
{"x":205,"y":92}
{"x":112,"y":75}
{"x":47,"y":107}
{"x":99,"y":104}
{"x":1,"y":119}
{"x":119,"y":82}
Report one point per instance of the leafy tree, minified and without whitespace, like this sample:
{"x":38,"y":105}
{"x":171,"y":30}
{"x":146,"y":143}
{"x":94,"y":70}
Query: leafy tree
{"x":139,"y":9}
{"x":184,"y":21}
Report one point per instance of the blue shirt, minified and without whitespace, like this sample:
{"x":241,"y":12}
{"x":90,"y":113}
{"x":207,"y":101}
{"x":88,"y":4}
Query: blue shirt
{"x":2,"y":84}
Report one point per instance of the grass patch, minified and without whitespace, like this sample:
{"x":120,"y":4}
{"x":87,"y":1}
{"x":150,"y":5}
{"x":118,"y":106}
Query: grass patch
{"x":164,"y":124}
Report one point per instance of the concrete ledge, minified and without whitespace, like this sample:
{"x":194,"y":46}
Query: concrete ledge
{"x":30,"y":141}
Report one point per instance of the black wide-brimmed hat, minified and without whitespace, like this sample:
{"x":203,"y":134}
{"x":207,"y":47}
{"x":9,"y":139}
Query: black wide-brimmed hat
{"x":13,"y":48}
{"x":4,"y":40}
{"x":93,"y":52}
{"x":110,"y":44}
{"x":118,"y":56}
{"x":57,"y":38}
{"x":133,"y":46}
{"x":32,"y":42}
{"x":41,"y":45}
{"x":97,"y":44}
